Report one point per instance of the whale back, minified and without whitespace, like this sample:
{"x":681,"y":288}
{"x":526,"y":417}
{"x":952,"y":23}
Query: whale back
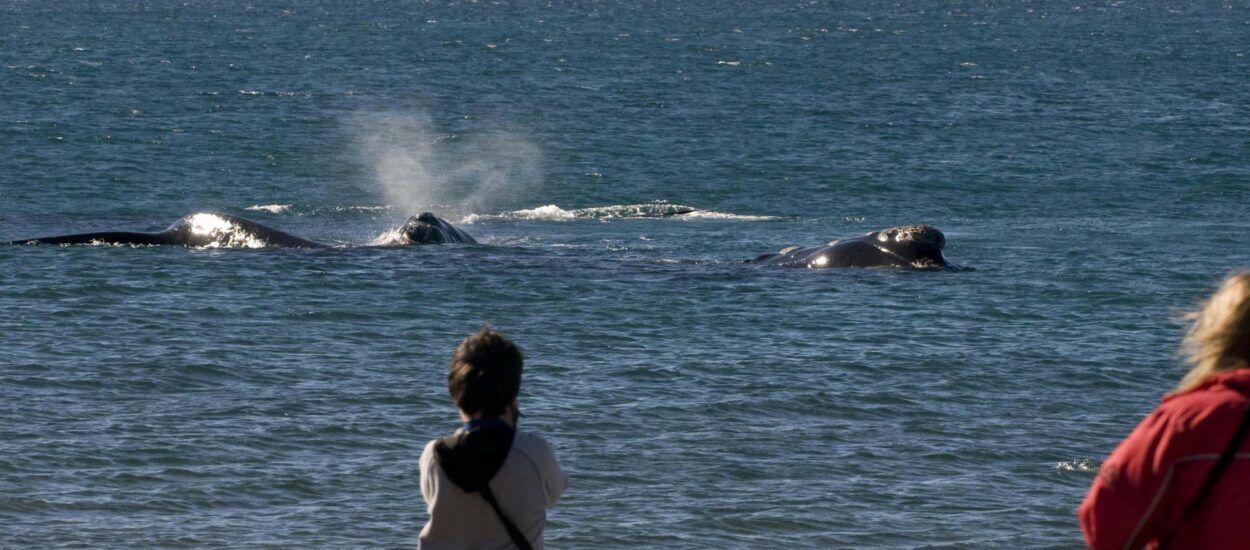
{"x":211,"y":230}
{"x":908,"y":246}
{"x":426,"y":228}
{"x":99,"y":237}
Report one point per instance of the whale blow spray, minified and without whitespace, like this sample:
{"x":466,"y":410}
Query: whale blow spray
{"x":419,"y":167}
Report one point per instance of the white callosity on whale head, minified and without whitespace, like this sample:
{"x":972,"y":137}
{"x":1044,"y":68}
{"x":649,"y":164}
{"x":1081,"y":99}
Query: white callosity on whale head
{"x":919,"y":234}
{"x":221,"y":233}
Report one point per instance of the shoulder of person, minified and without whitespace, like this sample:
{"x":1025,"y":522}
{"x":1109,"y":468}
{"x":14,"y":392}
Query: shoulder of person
{"x":1212,"y":395}
{"x":428,"y":454}
{"x":1205,"y":408}
{"x":530,"y":441}
{"x":429,"y":447}
{"x":534,"y":447}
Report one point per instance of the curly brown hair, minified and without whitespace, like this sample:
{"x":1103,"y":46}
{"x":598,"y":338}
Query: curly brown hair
{"x":485,"y":374}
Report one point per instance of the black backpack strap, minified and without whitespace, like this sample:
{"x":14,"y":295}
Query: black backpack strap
{"x":1217,"y":471}
{"x":517,"y":537}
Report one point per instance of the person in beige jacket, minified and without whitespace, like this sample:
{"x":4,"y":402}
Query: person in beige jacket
{"x":488,"y":485}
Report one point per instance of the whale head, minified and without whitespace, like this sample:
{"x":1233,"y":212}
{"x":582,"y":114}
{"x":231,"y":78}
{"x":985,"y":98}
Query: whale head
{"x":920,"y":245}
{"x":426,"y":228}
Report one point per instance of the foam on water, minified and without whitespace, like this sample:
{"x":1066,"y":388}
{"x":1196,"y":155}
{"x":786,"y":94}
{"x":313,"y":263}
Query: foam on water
{"x":1081,"y":465}
{"x":552,"y":212}
{"x":270,"y":208}
{"x":648,"y":210}
{"x":712,"y":215}
{"x":549,"y":212}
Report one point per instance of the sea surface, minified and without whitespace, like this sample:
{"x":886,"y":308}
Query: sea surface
{"x":618,"y":161}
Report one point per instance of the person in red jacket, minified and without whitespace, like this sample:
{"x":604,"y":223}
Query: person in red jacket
{"x":1182,"y":477}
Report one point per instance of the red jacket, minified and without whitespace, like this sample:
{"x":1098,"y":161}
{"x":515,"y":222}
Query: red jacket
{"x":1144,"y":488}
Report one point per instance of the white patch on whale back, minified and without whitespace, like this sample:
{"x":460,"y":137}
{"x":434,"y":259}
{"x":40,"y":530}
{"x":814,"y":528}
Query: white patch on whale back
{"x":822,"y":261}
{"x":221,"y":233}
{"x":208,"y":224}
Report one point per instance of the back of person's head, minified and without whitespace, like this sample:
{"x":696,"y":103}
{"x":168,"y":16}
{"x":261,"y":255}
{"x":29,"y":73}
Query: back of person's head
{"x":485,"y":375}
{"x":1219,"y":339}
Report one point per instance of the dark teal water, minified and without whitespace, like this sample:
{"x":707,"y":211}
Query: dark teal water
{"x":1089,"y":160}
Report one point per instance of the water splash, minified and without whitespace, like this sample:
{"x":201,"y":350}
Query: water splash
{"x":549,"y":212}
{"x":391,"y":237}
{"x":1082,"y":465}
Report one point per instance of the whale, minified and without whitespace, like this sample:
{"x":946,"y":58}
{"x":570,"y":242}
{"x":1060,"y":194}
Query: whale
{"x":199,"y":230}
{"x":905,"y":247}
{"x":215,"y":230}
{"x":426,"y":228}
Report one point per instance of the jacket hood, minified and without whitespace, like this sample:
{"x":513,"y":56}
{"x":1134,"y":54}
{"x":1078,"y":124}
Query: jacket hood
{"x":471,"y":457}
{"x":1237,"y":380}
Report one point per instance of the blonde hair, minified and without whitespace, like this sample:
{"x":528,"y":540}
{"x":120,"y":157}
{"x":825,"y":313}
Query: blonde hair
{"x":1219,"y":339}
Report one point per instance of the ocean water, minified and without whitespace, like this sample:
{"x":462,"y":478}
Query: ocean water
{"x":1087,"y":159}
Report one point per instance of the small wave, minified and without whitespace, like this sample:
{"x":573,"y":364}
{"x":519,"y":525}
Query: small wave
{"x":270,"y":208}
{"x":1082,"y":465}
{"x":363,"y":208}
{"x":550,"y":212}
{"x":278,"y":93}
{"x":553,"y":212}
{"x":310,"y":210}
